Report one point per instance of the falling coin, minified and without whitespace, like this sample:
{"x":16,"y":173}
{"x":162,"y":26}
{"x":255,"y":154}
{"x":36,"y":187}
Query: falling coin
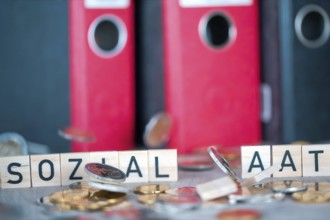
{"x":75,"y":134}
{"x":157,"y":130}
{"x":151,"y":189}
{"x":105,"y":173}
{"x":222,"y":164}
{"x":239,"y":214}
{"x":287,"y":186}
{"x":183,"y":191}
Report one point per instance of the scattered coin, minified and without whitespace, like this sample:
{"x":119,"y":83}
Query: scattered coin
{"x":105,"y":173}
{"x":239,"y":214}
{"x":183,"y":191}
{"x":157,"y":130}
{"x":311,"y":197}
{"x":75,"y":134}
{"x":148,"y":199}
{"x":195,"y":165}
{"x":254,"y":195}
{"x":287,"y":186}
{"x":150,"y":189}
{"x":222,"y":164}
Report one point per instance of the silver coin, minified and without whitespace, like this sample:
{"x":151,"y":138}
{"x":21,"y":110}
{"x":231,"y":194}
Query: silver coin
{"x":75,"y":134}
{"x":157,"y":130}
{"x":287,"y":186}
{"x":105,"y":173}
{"x":222,"y":163}
{"x":195,"y":165}
{"x":98,"y":186}
{"x":12,"y":144}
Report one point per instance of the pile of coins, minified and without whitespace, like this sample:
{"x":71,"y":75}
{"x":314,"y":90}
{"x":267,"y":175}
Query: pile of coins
{"x":85,"y":199}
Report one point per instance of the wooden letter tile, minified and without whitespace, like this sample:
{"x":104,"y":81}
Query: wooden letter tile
{"x":216,"y":188}
{"x":45,"y":170}
{"x":15,"y":172}
{"x":106,"y":157}
{"x":135,"y":165}
{"x":72,"y":167}
{"x":163,"y":165}
{"x":255,"y":159}
{"x":316,"y":160}
{"x":289,"y":157}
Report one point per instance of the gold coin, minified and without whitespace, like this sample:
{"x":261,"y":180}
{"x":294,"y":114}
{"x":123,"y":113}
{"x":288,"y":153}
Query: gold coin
{"x":300,"y":142}
{"x":148,"y":199}
{"x":311,"y":197}
{"x":68,"y":195}
{"x":110,"y":197}
{"x":151,"y":189}
{"x":239,"y":214}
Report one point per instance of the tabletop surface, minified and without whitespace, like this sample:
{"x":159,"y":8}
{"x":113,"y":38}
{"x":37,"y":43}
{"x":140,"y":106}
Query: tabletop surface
{"x":22,"y":204}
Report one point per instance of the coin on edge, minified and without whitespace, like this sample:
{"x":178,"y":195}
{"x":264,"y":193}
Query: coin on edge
{"x":75,"y":134}
{"x":150,"y":189}
{"x":105,"y":173}
{"x":157,"y":130}
{"x":239,"y":214}
{"x":222,"y":164}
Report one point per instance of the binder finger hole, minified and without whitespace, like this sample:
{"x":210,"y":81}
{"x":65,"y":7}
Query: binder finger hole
{"x":107,"y":36}
{"x":312,"y":26}
{"x":217,"y":30}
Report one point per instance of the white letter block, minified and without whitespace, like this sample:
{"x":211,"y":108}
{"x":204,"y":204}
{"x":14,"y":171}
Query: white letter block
{"x":108,"y":157}
{"x":15,"y":172}
{"x":316,"y":160}
{"x":135,"y":165}
{"x":254,"y":157}
{"x":45,"y":170}
{"x":163,"y":165}
{"x":72,"y":167}
{"x":290,"y":155}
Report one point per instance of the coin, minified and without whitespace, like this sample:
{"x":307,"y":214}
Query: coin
{"x":239,"y":214}
{"x":287,"y":186}
{"x":96,"y":186}
{"x":319,"y":186}
{"x":75,"y":134}
{"x":183,"y":191}
{"x":12,"y":144}
{"x":157,"y":130}
{"x":148,"y":199}
{"x":150,"y":189}
{"x":222,"y":164}
{"x":105,"y":173}
{"x":195,"y":165}
{"x":68,"y":195}
{"x":311,"y":197}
